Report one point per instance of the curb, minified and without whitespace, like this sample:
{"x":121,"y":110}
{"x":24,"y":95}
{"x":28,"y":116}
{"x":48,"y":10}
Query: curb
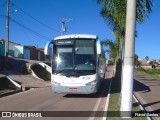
{"x":107,"y":102}
{"x":13,"y":82}
{"x":10,"y":93}
{"x":21,"y":88}
{"x":108,"y":97}
{"x":143,"y":110}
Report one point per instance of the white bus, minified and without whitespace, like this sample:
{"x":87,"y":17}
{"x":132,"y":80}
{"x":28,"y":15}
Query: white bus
{"x":77,"y":67}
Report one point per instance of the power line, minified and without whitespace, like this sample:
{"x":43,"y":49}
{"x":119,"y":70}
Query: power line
{"x":34,"y":18}
{"x":29,"y":29}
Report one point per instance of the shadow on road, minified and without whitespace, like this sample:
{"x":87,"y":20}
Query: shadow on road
{"x":141,"y":87}
{"x":102,"y":92}
{"x":152,"y":103}
{"x":138,"y":86}
{"x":147,"y":105}
{"x":155,"y":112}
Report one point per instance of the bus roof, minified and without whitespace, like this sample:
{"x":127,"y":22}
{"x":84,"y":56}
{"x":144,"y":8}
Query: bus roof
{"x":76,"y":36}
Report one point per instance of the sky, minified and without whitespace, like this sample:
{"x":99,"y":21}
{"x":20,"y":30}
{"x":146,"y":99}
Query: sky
{"x":34,"y":22}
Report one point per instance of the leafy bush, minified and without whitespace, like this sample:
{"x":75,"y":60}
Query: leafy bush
{"x":149,"y":71}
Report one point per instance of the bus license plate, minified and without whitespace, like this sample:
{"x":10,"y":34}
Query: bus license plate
{"x":73,"y":89}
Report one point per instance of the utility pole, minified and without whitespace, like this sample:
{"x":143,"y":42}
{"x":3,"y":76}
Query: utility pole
{"x":7,"y":29}
{"x":128,"y":68}
{"x":63,"y":27}
{"x":63,"y":21}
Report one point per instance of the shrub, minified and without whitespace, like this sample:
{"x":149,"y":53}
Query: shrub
{"x":41,"y":72}
{"x":153,"y":66}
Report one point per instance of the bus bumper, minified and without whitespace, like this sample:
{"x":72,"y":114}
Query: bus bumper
{"x":74,"y":89}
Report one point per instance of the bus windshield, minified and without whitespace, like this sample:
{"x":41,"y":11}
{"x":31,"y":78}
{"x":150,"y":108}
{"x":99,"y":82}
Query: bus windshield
{"x":74,"y":56}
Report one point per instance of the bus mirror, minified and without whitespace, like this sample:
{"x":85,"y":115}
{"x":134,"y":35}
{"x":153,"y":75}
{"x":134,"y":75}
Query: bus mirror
{"x":47,"y":49}
{"x":98,"y":47}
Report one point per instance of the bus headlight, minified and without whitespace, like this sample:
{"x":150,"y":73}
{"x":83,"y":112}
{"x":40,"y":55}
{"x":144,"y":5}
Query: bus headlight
{"x":92,"y":82}
{"x":55,"y":83}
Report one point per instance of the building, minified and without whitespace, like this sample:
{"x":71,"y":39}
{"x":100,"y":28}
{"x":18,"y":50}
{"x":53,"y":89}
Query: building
{"x":33,"y":53}
{"x":2,"y":47}
{"x":15,"y":50}
{"x":24,"y":52}
{"x":41,"y":56}
{"x":143,"y":62}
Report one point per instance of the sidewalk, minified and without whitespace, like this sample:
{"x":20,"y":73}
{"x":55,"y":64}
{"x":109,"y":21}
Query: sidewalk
{"x":147,"y":90}
{"x":27,"y":81}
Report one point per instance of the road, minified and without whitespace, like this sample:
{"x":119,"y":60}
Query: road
{"x":147,"y":90}
{"x":43,"y":99}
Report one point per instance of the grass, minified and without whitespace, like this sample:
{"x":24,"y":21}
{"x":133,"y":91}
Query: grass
{"x":41,"y":72}
{"x":6,"y":85}
{"x":114,"y":104}
{"x":154,"y":73}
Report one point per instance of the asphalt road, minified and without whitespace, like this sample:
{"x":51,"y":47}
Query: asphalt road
{"x":147,"y":90}
{"x":43,"y":99}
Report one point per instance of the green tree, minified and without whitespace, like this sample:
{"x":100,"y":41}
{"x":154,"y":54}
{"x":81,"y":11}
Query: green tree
{"x":151,"y":63}
{"x":112,"y":49}
{"x":103,"y":54}
{"x":136,"y":61}
{"x":114,"y":13}
{"x":147,"y":58}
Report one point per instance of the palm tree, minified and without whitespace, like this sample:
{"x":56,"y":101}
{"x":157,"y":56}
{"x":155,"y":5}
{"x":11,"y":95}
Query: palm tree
{"x":119,"y":44}
{"x":112,"y":49}
{"x":114,"y":13}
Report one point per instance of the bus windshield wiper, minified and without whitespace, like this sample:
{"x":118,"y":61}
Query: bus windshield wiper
{"x":82,"y":71}
{"x":64,"y":70}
